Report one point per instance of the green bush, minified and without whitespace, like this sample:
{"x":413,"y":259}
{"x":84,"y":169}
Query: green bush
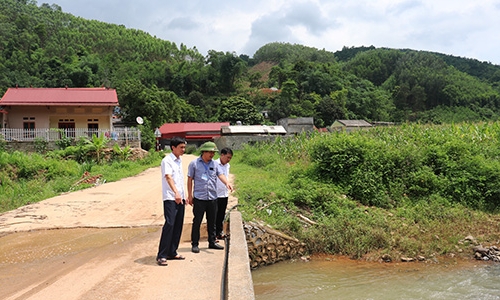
{"x":259,"y":156}
{"x":41,"y":145}
{"x":122,"y":153}
{"x":64,"y":141}
{"x":190,"y":149}
{"x":3,"y":143}
{"x":382,"y":167}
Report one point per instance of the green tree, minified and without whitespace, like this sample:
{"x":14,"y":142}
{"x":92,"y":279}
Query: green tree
{"x":284,"y":103}
{"x":224,"y":70}
{"x":236,"y":109}
{"x":278,"y":76}
{"x":328,"y":110}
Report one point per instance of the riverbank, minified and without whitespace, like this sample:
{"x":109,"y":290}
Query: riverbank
{"x":339,"y":195}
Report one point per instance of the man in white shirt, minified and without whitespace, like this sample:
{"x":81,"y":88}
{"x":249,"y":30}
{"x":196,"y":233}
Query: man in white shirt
{"x":226,"y":154}
{"x":173,"y":202}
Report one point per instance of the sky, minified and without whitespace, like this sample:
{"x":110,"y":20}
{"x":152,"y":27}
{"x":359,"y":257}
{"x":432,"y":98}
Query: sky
{"x":461,"y":28}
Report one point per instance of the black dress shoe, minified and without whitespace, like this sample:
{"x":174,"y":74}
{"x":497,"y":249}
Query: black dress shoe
{"x":195,"y":249}
{"x":215,"y":246}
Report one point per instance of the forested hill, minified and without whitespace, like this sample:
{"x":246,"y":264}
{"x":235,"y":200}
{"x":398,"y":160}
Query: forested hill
{"x":42,"y":46}
{"x":474,"y":67}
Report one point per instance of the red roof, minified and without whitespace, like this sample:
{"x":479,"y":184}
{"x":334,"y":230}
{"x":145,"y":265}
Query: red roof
{"x":192,"y":130}
{"x":189,"y":127}
{"x":60,"y":96}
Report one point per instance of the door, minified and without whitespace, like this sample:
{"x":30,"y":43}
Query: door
{"x":68,"y":127}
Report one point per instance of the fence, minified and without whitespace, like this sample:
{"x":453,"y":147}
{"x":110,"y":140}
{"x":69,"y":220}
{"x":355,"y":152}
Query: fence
{"x":53,"y":134}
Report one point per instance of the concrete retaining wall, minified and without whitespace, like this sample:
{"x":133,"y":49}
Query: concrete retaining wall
{"x":239,"y":278}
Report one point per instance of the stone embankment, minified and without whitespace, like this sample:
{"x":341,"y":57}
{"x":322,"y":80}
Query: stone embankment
{"x":491,"y":253}
{"x":480,"y":252}
{"x":267,"y":246}
{"x":487,"y":254}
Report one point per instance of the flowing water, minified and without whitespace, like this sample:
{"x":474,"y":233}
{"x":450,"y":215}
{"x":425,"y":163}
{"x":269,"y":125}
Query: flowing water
{"x":347,"y":279}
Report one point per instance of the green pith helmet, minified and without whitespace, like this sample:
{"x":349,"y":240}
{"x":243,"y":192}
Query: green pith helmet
{"x":208,"y":146}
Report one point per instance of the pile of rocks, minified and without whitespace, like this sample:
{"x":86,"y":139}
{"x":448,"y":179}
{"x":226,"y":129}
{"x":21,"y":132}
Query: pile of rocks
{"x":487,"y":254}
{"x":491,"y":253}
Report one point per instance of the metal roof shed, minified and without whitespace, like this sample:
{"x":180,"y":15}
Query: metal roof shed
{"x":253,"y":130}
{"x":350,"y":125}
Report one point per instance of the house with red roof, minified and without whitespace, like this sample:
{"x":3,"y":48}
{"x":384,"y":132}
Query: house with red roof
{"x":194,"y":133}
{"x":63,"y":108}
{"x":28,"y":114}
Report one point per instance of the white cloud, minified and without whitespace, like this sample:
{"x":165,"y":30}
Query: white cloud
{"x":183,"y":23}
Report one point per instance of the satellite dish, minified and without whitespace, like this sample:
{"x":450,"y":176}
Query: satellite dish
{"x":139,"y":120}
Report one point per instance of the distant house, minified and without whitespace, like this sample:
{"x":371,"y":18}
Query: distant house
{"x":63,"y":108}
{"x":252,"y":130}
{"x":297,"y":125}
{"x":349,"y":125}
{"x":237,"y":136}
{"x":193,"y":132}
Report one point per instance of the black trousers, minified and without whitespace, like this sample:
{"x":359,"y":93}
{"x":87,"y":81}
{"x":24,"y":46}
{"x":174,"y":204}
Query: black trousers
{"x":221,"y":213}
{"x":200,"y":207}
{"x":172,"y":229}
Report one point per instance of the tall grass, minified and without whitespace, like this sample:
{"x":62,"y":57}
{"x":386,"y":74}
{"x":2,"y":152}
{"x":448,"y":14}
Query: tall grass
{"x":406,"y":190}
{"x":387,"y":166}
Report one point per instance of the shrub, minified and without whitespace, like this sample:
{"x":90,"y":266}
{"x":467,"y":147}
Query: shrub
{"x":64,"y":141}
{"x":259,"y":156}
{"x":122,"y":153}
{"x":28,"y":178}
{"x":3,"y":143}
{"x":41,"y":145}
{"x":190,"y":149}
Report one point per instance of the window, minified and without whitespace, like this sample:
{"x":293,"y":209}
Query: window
{"x":29,"y":125}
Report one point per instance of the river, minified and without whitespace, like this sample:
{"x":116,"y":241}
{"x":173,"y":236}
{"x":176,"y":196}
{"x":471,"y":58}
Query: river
{"x":340,"y":278}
